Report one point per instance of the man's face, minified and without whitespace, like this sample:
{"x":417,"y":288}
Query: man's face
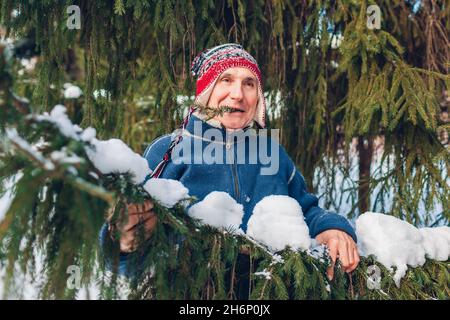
{"x":237,"y":88}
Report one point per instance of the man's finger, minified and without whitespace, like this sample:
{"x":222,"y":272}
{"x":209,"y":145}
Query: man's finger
{"x":133,"y":220}
{"x":350,"y":254}
{"x":355,"y":259}
{"x":150,"y":225}
{"x":142,"y":221}
{"x":131,"y":208}
{"x":139,"y":208}
{"x":343,"y":254}
{"x":134,"y":208}
{"x":332,"y":246}
{"x":127,"y":241}
{"x":148,"y":205}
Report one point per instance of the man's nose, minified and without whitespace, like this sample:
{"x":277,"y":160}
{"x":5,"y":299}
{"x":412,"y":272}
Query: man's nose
{"x":236,"y":91}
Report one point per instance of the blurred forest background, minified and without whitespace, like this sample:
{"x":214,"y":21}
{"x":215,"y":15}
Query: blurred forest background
{"x":363,"y":111}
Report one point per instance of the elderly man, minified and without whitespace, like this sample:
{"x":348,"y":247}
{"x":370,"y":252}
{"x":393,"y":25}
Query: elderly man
{"x":229,"y":76}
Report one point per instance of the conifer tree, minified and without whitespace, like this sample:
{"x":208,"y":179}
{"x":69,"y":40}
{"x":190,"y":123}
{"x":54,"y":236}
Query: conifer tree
{"x":330,"y":80}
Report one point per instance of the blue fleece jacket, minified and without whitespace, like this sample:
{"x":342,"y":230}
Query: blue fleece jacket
{"x":210,"y":158}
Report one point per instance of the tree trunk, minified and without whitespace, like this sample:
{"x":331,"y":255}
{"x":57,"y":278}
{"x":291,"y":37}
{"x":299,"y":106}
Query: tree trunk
{"x":365,"y":150}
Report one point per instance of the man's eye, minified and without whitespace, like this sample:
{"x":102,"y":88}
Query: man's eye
{"x":250,"y":84}
{"x":226,"y":80}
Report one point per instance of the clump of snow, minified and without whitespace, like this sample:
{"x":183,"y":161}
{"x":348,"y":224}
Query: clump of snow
{"x":5,"y":203}
{"x":71,"y":91}
{"x":277,"y":222}
{"x":265,"y":273}
{"x":115,"y":156}
{"x":219,"y":210}
{"x":107,"y":156}
{"x":318,"y":251}
{"x":276,"y":258}
{"x":102,"y":93}
{"x":13,"y":135}
{"x":59,"y":117}
{"x":88,"y":134}
{"x":436,"y":242}
{"x":64,"y":156}
{"x":7,"y":197}
{"x":94,"y":175}
{"x":167,"y":191}
{"x":396,"y":243}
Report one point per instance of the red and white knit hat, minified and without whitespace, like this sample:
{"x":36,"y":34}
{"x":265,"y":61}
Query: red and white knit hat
{"x":210,"y":64}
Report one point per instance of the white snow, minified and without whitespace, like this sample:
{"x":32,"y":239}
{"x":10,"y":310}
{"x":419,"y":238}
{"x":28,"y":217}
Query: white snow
{"x":7,"y":198}
{"x":13,"y":135}
{"x":265,"y":274}
{"x":101,"y":93}
{"x":166,"y":191}
{"x":71,"y":91}
{"x":88,"y":134}
{"x":436,"y":242}
{"x":94,"y":175}
{"x":277,"y":222}
{"x":5,"y":203}
{"x":108,"y":156}
{"x":276,"y":258}
{"x":396,"y":243}
{"x":218,"y":209}
{"x":317,"y":251}
{"x":59,"y":117}
{"x":63,"y":156}
{"x":114,"y":155}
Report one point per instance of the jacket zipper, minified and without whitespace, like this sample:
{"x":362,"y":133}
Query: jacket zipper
{"x":234,"y":170}
{"x":236,"y":185}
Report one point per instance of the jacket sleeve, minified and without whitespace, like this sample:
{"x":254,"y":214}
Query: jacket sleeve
{"x":154,"y":153}
{"x":156,"y":150}
{"x":317,"y":219}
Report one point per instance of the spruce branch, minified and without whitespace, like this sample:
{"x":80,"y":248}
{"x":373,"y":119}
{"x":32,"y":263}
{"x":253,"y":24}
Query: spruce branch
{"x":212,"y":112}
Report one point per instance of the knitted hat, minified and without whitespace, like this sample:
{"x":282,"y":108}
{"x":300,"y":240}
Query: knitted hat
{"x":210,"y":64}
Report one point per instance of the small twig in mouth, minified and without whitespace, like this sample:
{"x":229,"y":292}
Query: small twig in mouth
{"x":212,"y":112}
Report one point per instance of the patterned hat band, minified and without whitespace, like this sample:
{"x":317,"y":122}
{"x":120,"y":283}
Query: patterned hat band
{"x":210,"y":64}
{"x":205,"y":60}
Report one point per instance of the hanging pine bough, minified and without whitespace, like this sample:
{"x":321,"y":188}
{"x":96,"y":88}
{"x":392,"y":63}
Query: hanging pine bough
{"x":328,"y":68}
{"x":294,"y":45}
{"x":323,"y":68}
{"x":58,"y":206}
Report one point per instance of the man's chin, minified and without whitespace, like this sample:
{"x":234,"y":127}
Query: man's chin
{"x":230,"y":121}
{"x":235,"y":125}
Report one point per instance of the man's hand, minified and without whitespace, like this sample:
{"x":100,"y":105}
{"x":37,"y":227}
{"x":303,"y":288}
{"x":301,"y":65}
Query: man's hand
{"x":137,"y":214}
{"x":341,"y":246}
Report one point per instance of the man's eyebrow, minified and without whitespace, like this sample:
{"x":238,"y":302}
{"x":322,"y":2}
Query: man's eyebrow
{"x":227,"y":74}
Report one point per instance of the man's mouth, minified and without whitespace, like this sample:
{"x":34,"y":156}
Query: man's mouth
{"x":236,"y":110}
